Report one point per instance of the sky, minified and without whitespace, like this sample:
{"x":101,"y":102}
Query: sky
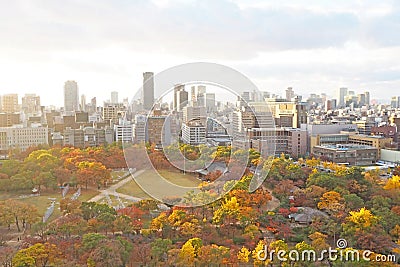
{"x":312,"y":46}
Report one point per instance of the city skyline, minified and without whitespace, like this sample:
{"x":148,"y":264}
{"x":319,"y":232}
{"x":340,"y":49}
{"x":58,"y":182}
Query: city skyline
{"x":315,"y":47}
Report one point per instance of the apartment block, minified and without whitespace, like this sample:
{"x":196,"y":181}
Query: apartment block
{"x":21,"y":137}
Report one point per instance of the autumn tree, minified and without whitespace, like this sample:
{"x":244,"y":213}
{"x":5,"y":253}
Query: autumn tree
{"x":331,"y":201}
{"x":93,"y":173}
{"x":189,"y":251}
{"x":243,"y":255}
{"x":213,"y":255}
{"x":40,"y":255}
{"x":22,"y":214}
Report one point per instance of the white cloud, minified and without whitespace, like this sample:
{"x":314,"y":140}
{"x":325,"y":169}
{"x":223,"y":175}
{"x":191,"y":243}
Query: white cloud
{"x":106,"y":45}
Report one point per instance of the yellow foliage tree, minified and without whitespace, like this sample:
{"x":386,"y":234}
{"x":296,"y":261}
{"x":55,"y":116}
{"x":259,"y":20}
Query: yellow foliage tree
{"x":331,"y":201}
{"x":393,"y":183}
{"x":362,"y":218}
{"x":259,"y":256}
{"x":243,"y":255}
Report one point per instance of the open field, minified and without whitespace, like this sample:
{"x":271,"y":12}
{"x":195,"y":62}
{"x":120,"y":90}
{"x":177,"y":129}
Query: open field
{"x":42,"y":202}
{"x":147,"y":178}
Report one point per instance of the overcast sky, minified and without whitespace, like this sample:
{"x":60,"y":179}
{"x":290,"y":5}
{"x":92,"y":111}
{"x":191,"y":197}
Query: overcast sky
{"x":313,"y":46}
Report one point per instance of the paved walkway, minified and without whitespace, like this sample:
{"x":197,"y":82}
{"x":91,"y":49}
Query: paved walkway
{"x":112,"y":190}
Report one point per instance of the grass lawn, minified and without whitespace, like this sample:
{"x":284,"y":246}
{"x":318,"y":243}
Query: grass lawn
{"x":42,"y":202}
{"x":147,"y":178}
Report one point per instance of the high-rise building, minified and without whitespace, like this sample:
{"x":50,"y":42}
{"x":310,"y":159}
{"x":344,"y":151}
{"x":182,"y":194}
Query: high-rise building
{"x":289,"y":94}
{"x":30,"y":103}
{"x":367,"y":98}
{"x":10,"y":103}
{"x":71,"y":96}
{"x":114,"y":97}
{"x":83,"y":103}
{"x":92,"y":107}
{"x":361,"y":100}
{"x":210,"y":102}
{"x":181,"y":97}
{"x":155,"y":124}
{"x":148,"y":90}
{"x":139,"y":130}
{"x":342,"y":93}
{"x":245,"y":96}
{"x":193,"y":95}
{"x":395,"y":102}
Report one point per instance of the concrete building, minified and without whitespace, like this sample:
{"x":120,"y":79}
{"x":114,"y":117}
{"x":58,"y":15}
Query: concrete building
{"x":9,"y":119}
{"x":343,"y":92}
{"x":71,"y":96}
{"x":124,"y":132}
{"x":379,"y":142}
{"x":367,"y":98}
{"x":194,"y":113}
{"x":352,"y":154}
{"x":328,"y":139}
{"x":395,"y":102}
{"x":365,"y":126}
{"x":277,"y":141}
{"x":82,"y":106}
{"x":289,"y":94}
{"x":148,"y":90}
{"x":9,"y":103}
{"x":139,"y":128}
{"x":193,"y":133}
{"x":114,"y":97}
{"x":181,"y":97}
{"x":87,"y":136}
{"x":286,"y":114}
{"x":113,"y":112}
{"x":154,"y":129}
{"x":31,"y":104}
{"x":21,"y":137}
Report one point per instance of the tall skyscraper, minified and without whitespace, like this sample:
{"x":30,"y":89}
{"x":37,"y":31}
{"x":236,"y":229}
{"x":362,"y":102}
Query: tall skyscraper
{"x":367,"y":98}
{"x":114,"y":97}
{"x":342,"y":93}
{"x":10,"y":103}
{"x":83,"y":103}
{"x":395,"y":102}
{"x":71,"y":96}
{"x":193,"y":95}
{"x":210,"y":102}
{"x":181,"y":97}
{"x":148,"y":90}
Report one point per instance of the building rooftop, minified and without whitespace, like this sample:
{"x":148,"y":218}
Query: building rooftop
{"x":346,"y":147}
{"x":368,"y":136}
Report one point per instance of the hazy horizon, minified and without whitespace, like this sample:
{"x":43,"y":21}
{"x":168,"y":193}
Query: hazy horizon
{"x":105,"y":46}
